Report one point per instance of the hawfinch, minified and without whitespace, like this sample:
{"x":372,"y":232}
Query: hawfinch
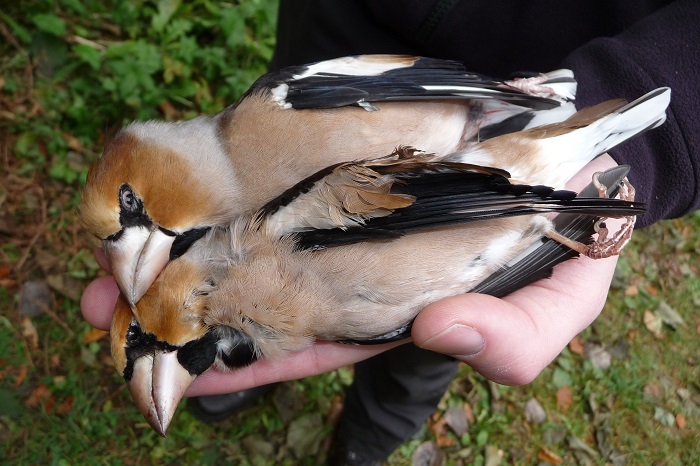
{"x":410,"y":233}
{"x":353,"y":252}
{"x":160,"y":186}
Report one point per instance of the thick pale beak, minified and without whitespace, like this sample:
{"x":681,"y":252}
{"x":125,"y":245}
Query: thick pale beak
{"x":157,"y":385}
{"x":136,"y":258}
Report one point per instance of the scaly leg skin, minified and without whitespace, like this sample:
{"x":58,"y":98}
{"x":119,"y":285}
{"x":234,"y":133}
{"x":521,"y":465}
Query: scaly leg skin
{"x":533,"y":86}
{"x":603,"y":246}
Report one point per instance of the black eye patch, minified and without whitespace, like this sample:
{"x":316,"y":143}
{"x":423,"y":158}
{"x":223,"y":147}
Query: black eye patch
{"x":131,"y":209}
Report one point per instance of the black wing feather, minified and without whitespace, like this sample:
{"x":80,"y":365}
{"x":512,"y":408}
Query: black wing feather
{"x":458,"y":197}
{"x":330,"y":90}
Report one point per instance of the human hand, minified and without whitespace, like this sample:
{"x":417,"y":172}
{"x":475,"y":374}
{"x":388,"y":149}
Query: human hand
{"x":509,"y":340}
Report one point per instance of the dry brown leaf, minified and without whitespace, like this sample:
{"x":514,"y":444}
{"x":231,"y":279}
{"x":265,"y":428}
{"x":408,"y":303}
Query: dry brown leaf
{"x":564,"y":398}
{"x":681,"y":421}
{"x":469,"y":412}
{"x":439,"y":429}
{"x":94,"y":335}
{"x":29,"y":332}
{"x":55,"y":360}
{"x":20,"y":376}
{"x":632,"y":290}
{"x":652,"y":390}
{"x":456,"y":420}
{"x":5,"y":271}
{"x":65,"y":406}
{"x":653,"y":323}
{"x":576,"y":345}
{"x":652,"y":290}
{"x":632,"y":334}
{"x":548,"y":456}
{"x":41,"y":395}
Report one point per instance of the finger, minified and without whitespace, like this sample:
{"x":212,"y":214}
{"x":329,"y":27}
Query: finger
{"x":98,"y":301}
{"x":511,"y":340}
{"x":321,"y":357}
{"x":101,"y":259}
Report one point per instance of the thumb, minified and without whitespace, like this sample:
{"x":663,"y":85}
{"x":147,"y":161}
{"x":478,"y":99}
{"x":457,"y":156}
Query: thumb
{"x":511,"y":340}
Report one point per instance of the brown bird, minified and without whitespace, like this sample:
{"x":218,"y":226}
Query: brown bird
{"x":160,"y":186}
{"x":352,"y":254}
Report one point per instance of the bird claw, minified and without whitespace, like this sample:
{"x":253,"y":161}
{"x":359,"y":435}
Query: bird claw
{"x":604,"y":246}
{"x":533,"y":86}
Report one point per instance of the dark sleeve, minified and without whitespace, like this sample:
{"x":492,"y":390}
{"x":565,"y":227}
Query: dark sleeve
{"x":661,"y":50}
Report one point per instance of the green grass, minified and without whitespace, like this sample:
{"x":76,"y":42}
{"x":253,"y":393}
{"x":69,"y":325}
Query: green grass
{"x":72,"y":72}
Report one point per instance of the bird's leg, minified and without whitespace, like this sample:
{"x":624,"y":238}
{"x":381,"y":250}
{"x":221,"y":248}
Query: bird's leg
{"x":603,"y":246}
{"x":533,"y":86}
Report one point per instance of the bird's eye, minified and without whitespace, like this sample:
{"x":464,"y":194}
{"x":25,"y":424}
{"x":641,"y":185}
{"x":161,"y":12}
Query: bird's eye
{"x":134,"y":332}
{"x":127,"y":199}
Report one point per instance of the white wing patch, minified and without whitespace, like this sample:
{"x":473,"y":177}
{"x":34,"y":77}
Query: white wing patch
{"x":354,"y":66}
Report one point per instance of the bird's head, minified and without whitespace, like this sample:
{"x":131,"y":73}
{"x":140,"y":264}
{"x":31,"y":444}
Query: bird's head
{"x":150,"y":197}
{"x":162,"y":345}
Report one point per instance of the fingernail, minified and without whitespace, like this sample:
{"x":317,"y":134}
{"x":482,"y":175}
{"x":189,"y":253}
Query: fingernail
{"x":458,"y":340}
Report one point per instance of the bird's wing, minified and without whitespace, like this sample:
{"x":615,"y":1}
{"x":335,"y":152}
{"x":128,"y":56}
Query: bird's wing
{"x":538,"y":260}
{"x":361,"y":80}
{"x":534,"y":263}
{"x":404,"y":192}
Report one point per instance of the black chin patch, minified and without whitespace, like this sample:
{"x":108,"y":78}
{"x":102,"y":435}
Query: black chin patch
{"x":242,"y":348}
{"x":198,"y":355}
{"x":184,"y":240}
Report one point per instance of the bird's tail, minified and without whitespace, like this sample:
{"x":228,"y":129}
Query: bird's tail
{"x":595,"y":135}
{"x":592,"y":131}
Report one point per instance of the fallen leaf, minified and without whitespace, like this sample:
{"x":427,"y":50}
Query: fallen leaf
{"x":29,"y":332}
{"x":652,"y":323}
{"x":664,"y":417}
{"x":457,"y":420}
{"x":632,"y":290}
{"x":469,"y":412}
{"x":652,"y":390}
{"x":681,"y":421}
{"x":305,"y":434}
{"x":94,"y":335}
{"x":69,"y":287}
{"x":598,"y":356}
{"x":56,"y":360}
{"x":578,"y":445}
{"x":35,"y":297}
{"x":576,"y":345}
{"x":20,"y":376}
{"x":493,"y":456}
{"x":439,"y":430}
{"x":619,"y":349}
{"x":669,"y":316}
{"x":257,"y":446}
{"x":549,"y":456}
{"x":534,"y":412}
{"x":652,"y":290}
{"x":65,"y":406}
{"x":564,"y":398}
{"x":632,"y":334}
{"x":428,"y":454}
{"x":5,"y":272}
{"x":41,"y":396}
